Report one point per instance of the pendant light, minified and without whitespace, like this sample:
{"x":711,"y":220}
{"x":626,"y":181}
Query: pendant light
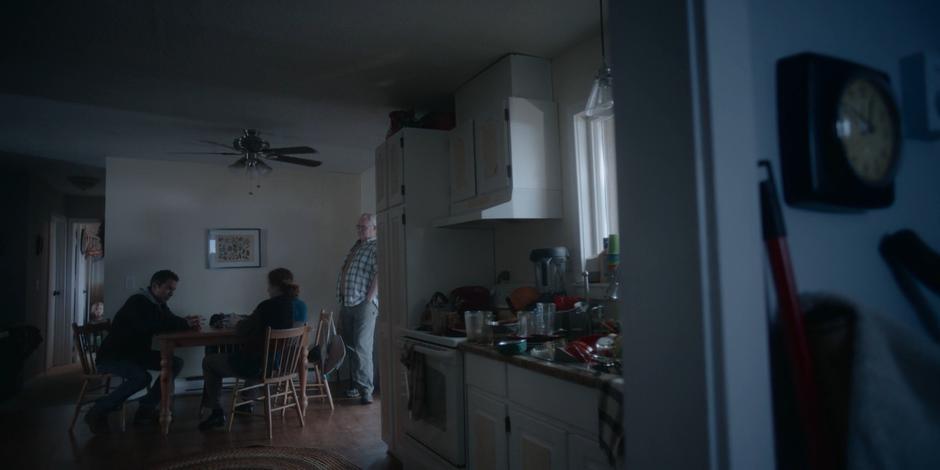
{"x":600,"y":102}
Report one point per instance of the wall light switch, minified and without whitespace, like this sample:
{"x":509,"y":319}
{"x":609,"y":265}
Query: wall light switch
{"x":130,"y":283}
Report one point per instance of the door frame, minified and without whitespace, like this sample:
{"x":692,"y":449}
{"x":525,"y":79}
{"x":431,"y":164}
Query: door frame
{"x":71,"y":286}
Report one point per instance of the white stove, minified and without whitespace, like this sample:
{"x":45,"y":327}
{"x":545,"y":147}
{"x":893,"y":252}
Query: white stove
{"x":428,"y":337}
{"x":439,"y":428}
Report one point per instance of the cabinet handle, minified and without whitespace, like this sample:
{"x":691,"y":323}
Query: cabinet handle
{"x":508,"y":425}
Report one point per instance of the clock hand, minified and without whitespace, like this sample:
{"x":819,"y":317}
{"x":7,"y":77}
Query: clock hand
{"x":866,"y":127}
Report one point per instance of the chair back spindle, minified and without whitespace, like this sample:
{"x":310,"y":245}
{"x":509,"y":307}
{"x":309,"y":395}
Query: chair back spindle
{"x":88,"y":339}
{"x":282,"y":349}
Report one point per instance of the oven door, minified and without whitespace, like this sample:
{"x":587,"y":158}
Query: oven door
{"x":440,"y":426}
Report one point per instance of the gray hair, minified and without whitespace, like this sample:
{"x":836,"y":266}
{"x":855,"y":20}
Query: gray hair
{"x":370,"y":217}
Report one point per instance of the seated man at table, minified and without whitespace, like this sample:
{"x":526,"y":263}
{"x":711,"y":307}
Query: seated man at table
{"x":126,"y":353}
{"x":277,"y":312}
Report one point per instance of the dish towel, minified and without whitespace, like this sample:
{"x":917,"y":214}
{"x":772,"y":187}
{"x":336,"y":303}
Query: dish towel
{"x":610,"y":419}
{"x":414,"y":362}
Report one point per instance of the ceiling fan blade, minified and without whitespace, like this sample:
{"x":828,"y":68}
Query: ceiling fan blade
{"x":217,"y":143}
{"x":297,"y":161}
{"x":284,"y":150}
{"x":240,"y":163}
{"x":204,"y":153}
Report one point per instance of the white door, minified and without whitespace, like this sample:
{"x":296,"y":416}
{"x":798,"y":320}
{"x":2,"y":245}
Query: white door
{"x":381,"y":178}
{"x":397,"y":298}
{"x":492,"y":153}
{"x":58,"y":320}
{"x":486,"y":436}
{"x":586,"y":454}
{"x":535,"y":444}
{"x":463,"y":183}
{"x":396,"y":169}
{"x":383,"y":332}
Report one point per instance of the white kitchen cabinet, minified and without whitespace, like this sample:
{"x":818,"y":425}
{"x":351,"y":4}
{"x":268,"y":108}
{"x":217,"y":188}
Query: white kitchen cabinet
{"x":544,"y":422}
{"x":463,"y":184}
{"x":509,"y":111}
{"x":416,"y":259}
{"x":383,"y":328}
{"x":397,"y":284}
{"x":487,"y":447}
{"x":586,"y":454}
{"x":381,"y":178}
{"x":394,"y":151}
{"x":492,"y":153}
{"x":535,"y":444}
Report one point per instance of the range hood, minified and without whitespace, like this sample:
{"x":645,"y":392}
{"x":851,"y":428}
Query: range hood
{"x":509,"y":204}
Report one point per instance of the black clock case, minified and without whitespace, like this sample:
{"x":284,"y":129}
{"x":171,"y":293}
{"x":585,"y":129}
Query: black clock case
{"x":816,"y":173}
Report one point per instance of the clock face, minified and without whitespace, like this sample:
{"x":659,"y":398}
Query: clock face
{"x":867,"y":128}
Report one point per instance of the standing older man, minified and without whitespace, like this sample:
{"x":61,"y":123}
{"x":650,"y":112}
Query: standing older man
{"x":356,"y":291}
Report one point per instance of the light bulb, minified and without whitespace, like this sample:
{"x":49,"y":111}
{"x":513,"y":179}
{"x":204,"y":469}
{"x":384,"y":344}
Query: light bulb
{"x":601,"y":100}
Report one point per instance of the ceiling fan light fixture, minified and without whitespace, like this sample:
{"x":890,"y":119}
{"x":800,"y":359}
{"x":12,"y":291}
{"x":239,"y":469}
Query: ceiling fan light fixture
{"x":258,"y":168}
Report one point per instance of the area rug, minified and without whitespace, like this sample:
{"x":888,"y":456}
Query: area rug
{"x":261,"y":458}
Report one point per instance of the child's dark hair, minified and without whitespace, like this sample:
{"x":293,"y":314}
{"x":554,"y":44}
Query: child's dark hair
{"x":283,"y":279}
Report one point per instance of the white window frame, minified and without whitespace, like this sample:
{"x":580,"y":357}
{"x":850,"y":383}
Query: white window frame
{"x":596,"y":164}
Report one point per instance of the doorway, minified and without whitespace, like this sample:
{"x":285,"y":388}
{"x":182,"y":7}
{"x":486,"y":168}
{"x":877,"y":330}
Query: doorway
{"x":76,"y":283}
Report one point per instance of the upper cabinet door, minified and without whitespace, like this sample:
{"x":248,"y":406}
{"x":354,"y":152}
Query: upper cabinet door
{"x":381,"y":178}
{"x":463,"y":183}
{"x":396,"y":169}
{"x":492,"y":153}
{"x":396,"y":302}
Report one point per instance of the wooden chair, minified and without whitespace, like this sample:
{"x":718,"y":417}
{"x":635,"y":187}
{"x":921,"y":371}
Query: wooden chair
{"x":319,"y":385}
{"x":88,"y":339}
{"x":282,"y":350}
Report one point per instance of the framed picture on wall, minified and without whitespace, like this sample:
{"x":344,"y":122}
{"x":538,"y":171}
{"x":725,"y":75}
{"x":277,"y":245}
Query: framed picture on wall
{"x":233,"y":248}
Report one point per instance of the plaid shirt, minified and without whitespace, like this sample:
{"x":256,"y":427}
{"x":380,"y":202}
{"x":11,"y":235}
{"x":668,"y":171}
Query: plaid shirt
{"x":358,"y":273}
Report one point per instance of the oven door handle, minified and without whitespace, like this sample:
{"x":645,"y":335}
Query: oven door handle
{"x":442,"y":354}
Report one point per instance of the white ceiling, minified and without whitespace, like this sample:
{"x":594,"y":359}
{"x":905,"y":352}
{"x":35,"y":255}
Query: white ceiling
{"x":141,"y":79}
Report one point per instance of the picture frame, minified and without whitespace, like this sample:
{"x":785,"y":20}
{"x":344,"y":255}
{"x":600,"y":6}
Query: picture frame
{"x":228,"y":248}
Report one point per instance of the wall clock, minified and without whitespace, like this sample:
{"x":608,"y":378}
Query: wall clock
{"x":840,"y":134}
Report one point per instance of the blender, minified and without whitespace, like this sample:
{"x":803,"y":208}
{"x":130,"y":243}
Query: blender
{"x":550,"y":265}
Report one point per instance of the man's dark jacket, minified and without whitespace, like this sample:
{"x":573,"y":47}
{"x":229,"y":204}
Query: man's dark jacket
{"x":133,"y":327}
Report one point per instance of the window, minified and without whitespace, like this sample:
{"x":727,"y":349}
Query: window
{"x":597,"y":182}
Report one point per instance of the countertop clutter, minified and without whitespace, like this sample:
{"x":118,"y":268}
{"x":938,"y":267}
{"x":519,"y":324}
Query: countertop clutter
{"x":580,"y":374}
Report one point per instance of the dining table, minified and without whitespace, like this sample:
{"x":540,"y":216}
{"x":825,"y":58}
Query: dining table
{"x":169,"y":342}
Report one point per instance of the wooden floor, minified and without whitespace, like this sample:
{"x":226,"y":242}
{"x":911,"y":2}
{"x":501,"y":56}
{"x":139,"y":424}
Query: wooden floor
{"x":35,"y":426}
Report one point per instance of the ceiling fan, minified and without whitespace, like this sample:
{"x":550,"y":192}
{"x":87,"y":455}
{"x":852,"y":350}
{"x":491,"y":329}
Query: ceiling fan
{"x":255,"y":151}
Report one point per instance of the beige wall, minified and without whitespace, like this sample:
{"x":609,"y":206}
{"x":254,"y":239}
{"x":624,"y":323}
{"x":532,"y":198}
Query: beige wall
{"x":367,"y":190}
{"x":158,"y":212}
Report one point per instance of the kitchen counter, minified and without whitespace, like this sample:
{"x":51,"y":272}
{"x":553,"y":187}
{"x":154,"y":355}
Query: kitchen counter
{"x":576,"y":373}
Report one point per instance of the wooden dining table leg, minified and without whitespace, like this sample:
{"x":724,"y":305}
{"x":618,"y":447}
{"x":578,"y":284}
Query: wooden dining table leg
{"x":166,"y":385}
{"x":302,"y":378}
